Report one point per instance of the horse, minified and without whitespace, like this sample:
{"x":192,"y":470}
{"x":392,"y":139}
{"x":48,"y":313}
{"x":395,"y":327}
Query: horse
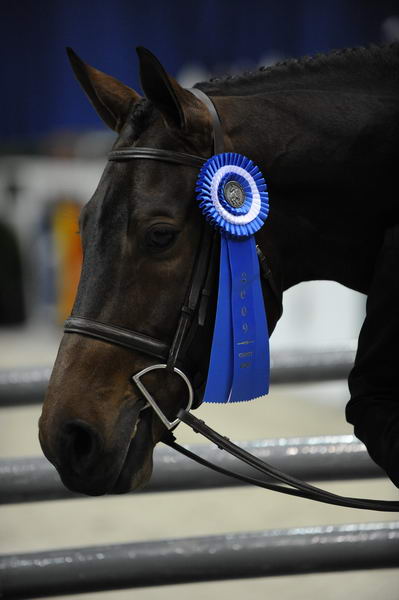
{"x":324,"y":131}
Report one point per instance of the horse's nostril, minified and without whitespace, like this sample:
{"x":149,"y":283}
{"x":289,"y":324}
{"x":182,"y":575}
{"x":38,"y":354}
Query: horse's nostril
{"x":80,"y":445}
{"x":82,"y":441}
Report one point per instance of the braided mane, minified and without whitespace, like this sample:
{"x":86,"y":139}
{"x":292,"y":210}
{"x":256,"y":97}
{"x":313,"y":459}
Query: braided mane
{"x":354,"y":68}
{"x":374,"y":69}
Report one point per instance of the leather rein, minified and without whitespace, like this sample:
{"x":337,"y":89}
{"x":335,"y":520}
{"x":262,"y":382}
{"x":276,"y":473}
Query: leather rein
{"x":175,"y":356}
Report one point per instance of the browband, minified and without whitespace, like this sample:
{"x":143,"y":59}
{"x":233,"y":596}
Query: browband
{"x":179,"y":158}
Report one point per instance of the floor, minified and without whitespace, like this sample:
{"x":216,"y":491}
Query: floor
{"x":289,"y":411}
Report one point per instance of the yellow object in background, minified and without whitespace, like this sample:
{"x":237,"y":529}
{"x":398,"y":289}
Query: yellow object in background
{"x":68,"y":254}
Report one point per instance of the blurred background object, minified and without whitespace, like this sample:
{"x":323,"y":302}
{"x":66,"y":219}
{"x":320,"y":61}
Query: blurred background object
{"x":53,"y":146}
{"x":194,"y":41}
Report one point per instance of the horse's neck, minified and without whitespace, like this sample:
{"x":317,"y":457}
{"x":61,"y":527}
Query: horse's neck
{"x":323,"y":154}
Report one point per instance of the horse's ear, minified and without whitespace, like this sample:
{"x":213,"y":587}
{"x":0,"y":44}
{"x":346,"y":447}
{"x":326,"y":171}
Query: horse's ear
{"x":111,"y":98}
{"x":174,"y":102}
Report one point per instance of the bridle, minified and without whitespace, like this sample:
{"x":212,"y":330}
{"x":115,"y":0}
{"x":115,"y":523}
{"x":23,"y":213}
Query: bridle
{"x":195,"y":311}
{"x":194,"y":314}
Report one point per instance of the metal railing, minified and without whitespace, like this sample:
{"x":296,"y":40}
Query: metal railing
{"x":312,"y":458}
{"x":28,"y":386}
{"x":211,"y":558}
{"x":192,"y":560}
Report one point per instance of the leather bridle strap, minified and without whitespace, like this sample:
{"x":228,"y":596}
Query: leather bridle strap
{"x":186,"y":326}
{"x":296,"y":487}
{"x":195,"y":308}
{"x":217,"y":130}
{"x":198,"y":294}
{"x":195,"y":304}
{"x":117,"y":335}
{"x":202,"y":280}
{"x":185,"y":330}
{"x":178,"y":158}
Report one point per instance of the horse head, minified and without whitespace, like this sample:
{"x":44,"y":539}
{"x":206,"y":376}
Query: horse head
{"x":142,"y":234}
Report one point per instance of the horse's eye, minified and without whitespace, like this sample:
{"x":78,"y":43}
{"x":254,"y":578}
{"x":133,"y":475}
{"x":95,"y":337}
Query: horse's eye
{"x":160,"y":237}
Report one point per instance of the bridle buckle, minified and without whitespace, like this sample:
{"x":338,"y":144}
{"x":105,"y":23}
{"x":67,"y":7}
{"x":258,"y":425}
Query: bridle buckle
{"x":150,"y":400}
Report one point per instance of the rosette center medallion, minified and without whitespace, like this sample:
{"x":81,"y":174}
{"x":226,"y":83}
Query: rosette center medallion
{"x":234,"y":194}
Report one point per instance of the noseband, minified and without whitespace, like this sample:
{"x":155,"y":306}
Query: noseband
{"x":193,"y":316}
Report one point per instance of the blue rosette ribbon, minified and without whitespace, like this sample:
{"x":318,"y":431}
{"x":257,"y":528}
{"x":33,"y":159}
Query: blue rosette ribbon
{"x":233,"y":197}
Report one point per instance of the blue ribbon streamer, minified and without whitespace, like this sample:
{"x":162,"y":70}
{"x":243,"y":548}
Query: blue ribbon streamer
{"x":239,"y":362}
{"x":233,"y":197}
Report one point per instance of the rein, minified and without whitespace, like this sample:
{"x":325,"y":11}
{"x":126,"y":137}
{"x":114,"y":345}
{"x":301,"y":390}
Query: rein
{"x":175,"y":356}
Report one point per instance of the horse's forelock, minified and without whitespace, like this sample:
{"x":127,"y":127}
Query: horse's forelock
{"x":141,"y":116}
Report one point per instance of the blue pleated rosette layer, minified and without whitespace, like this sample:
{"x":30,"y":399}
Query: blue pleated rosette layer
{"x":232,"y":195}
{"x":214,"y":175}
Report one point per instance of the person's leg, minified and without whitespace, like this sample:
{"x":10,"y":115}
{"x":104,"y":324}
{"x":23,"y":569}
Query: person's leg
{"x":374,"y":381}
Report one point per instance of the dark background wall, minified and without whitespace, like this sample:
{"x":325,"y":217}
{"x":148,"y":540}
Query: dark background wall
{"x":40,"y":96}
